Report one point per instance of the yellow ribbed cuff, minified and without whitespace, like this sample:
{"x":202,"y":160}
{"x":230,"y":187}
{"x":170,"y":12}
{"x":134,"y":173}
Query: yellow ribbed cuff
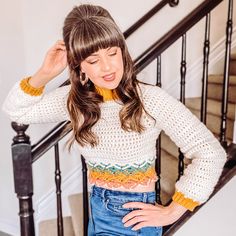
{"x":27,"y":88}
{"x":185,"y":202}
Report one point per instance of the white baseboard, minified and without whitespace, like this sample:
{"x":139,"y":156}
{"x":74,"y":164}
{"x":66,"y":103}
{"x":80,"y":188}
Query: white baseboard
{"x":194,"y":72}
{"x":10,"y":227}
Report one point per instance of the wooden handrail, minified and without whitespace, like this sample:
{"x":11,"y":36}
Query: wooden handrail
{"x":149,"y":15}
{"x":49,"y":140}
{"x":141,"y":62}
{"x":174,"y":34}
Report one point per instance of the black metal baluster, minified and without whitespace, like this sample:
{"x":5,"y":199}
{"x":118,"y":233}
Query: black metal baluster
{"x":224,"y":107}
{"x":158,"y":82}
{"x":183,"y":69}
{"x":158,"y":170}
{"x":206,"y":52}
{"x":85,"y":196}
{"x":158,"y":142}
{"x":182,"y":97}
{"x":23,"y":178}
{"x":60,"y":230}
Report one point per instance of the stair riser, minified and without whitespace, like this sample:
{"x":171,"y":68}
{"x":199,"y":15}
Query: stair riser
{"x":232,"y":70}
{"x":215,"y":92}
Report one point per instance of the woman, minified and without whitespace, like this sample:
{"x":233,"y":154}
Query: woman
{"x":116,"y":121}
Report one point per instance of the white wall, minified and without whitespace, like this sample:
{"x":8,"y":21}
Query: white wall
{"x":28,"y":29}
{"x":12,"y":66}
{"x":216,"y":218}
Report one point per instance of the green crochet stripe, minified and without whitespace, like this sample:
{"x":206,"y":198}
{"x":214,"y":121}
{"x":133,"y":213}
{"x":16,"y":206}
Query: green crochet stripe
{"x":120,"y":169}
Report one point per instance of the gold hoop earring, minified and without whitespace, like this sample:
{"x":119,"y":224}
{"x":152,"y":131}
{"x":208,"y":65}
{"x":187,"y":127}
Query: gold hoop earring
{"x":83,"y":78}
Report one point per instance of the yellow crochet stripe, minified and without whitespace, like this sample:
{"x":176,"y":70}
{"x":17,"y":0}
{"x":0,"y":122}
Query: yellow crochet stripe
{"x":108,"y":95}
{"x":185,"y":202}
{"x":121,"y":179}
{"x":27,"y":88}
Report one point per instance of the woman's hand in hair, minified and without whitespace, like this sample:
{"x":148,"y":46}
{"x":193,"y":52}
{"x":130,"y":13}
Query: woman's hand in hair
{"x":54,"y":63}
{"x":152,"y":215}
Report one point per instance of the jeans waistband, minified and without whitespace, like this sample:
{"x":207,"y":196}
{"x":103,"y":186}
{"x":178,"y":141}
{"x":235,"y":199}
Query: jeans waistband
{"x":135,"y":196}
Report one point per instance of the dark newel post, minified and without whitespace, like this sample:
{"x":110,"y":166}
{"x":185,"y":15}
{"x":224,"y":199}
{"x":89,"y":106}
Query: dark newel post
{"x":173,"y":3}
{"x":60,"y":230}
{"x":23,"y":178}
{"x":206,"y":52}
{"x":158,"y":142}
{"x":182,"y":96}
{"x":224,"y":107}
{"x":85,"y":196}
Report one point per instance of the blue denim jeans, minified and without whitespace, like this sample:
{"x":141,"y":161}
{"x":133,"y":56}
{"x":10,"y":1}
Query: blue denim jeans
{"x":107,"y":213}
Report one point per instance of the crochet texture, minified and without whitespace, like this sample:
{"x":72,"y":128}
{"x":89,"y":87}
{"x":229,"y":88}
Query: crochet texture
{"x":127,"y":158}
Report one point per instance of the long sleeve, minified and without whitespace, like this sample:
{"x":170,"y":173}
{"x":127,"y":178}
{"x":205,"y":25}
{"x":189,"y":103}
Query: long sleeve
{"x":194,"y":140}
{"x":36,"y":106}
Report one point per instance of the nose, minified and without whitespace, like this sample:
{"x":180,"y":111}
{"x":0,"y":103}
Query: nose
{"x":105,"y":63}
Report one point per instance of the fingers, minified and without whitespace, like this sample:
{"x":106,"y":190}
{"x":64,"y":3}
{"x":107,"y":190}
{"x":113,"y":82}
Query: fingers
{"x":59,"y":45}
{"x":141,"y":225}
{"x":132,"y":214}
{"x":136,"y":220}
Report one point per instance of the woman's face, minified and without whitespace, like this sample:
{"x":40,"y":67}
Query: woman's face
{"x":104,"y":68}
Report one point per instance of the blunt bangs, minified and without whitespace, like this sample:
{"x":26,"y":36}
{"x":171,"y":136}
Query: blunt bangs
{"x":93,"y":34}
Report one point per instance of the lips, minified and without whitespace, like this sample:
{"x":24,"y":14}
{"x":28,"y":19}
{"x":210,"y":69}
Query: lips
{"x":109,"y":77}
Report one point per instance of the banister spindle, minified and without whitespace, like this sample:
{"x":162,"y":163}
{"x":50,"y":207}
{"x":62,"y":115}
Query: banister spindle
{"x":85,"y":196}
{"x":23,"y":178}
{"x":224,"y":107}
{"x":158,"y":142}
{"x":158,"y":81}
{"x":60,"y":230}
{"x":206,"y":52}
{"x":183,"y":68}
{"x":158,"y":170}
{"x":182,"y":96}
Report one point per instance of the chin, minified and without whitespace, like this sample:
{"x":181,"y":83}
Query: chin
{"x":110,"y":86}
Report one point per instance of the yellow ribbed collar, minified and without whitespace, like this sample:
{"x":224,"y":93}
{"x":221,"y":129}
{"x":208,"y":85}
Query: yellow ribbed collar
{"x":108,"y":94}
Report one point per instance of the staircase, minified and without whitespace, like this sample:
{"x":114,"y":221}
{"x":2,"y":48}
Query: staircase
{"x":73,"y":225}
{"x":170,"y":150}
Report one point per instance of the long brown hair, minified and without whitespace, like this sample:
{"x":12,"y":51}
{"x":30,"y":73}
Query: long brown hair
{"x":88,"y":28}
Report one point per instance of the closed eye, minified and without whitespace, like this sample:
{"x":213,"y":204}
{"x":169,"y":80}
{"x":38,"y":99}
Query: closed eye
{"x":92,"y":62}
{"x":113,"y":53}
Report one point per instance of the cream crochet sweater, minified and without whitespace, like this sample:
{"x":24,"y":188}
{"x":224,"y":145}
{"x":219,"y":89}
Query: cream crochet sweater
{"x":127,"y":158}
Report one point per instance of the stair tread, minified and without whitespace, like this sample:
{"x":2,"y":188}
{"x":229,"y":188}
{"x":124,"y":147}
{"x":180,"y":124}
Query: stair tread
{"x":233,"y":56}
{"x":218,"y":79}
{"x":49,"y":227}
{"x":76,"y":207}
{"x":213,"y":106}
